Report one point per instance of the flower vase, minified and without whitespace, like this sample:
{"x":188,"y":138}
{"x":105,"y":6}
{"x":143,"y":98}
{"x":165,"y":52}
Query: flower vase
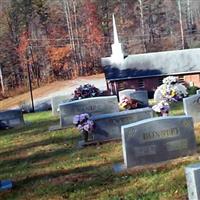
{"x":165,"y":114}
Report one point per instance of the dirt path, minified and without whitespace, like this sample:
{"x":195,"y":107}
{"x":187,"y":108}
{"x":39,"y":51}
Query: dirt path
{"x":54,"y":89}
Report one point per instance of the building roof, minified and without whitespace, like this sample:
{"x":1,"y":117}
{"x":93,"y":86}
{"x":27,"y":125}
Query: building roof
{"x":153,"y":64}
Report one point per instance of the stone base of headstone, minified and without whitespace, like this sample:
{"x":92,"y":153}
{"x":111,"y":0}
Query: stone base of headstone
{"x":56,"y":128}
{"x":27,"y":123}
{"x":5,"y":185}
{"x":82,"y":143}
{"x":121,"y":168}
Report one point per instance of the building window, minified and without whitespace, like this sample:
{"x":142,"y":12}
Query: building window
{"x":181,"y":79}
{"x":121,"y":86}
{"x":140,"y":83}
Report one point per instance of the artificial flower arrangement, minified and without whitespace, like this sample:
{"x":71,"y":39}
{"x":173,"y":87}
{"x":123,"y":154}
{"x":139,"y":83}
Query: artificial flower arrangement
{"x":128,"y":103}
{"x":85,"y":91}
{"x":162,"y":108}
{"x":84,"y":125}
{"x":170,"y":91}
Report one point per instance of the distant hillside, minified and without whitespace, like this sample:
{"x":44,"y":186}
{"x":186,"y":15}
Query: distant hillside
{"x":64,"y":39}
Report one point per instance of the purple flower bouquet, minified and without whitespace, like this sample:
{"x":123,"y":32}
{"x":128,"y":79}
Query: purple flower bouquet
{"x":84,"y":125}
{"x":85,"y":91}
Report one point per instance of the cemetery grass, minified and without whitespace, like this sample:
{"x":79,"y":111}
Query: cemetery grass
{"x":48,"y":165}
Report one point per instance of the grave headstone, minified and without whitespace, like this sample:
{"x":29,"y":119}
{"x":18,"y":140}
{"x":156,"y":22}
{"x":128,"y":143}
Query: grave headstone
{"x":192,"y":173}
{"x":39,"y":106}
{"x":43,"y":105}
{"x":140,"y":95}
{"x":108,"y":126}
{"x":192,"y":107}
{"x":92,"y":106}
{"x":198,"y":91}
{"x":12,"y":118}
{"x":126,"y":93}
{"x":157,"y":139}
{"x":55,"y":101}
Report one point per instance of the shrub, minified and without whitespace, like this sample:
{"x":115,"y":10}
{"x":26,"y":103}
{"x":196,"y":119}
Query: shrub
{"x":192,"y":90}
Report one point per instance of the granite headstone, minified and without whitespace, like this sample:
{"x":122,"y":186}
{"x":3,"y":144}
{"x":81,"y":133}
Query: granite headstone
{"x":12,"y":118}
{"x":192,"y":173}
{"x":198,"y":91}
{"x":126,"y":93}
{"x":108,"y":126}
{"x":192,"y":107}
{"x":158,"y":139}
{"x":55,"y":101}
{"x":140,"y":95}
{"x":92,"y":106}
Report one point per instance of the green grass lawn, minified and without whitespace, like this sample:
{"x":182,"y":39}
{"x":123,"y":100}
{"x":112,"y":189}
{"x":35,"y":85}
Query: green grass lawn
{"x":48,"y":165}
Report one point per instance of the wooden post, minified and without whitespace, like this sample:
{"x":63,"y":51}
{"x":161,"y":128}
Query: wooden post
{"x":35,"y":67}
{"x":29,"y":81}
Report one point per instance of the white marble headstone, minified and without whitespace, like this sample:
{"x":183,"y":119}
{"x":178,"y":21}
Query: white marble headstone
{"x":198,"y":91}
{"x":192,"y":173}
{"x":192,"y":107}
{"x":140,"y":95}
{"x":56,"y":100}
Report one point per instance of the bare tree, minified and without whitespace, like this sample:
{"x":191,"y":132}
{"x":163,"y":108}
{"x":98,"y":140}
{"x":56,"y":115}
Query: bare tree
{"x":142,"y":24}
{"x":68,"y":16}
{"x":1,"y":80}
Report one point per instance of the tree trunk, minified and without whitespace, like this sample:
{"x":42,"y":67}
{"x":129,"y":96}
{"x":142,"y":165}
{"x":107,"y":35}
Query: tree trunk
{"x":70,"y":31}
{"x":80,"y":57}
{"x":181,"y":24}
{"x":2,"y":83}
{"x":142,"y":24}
